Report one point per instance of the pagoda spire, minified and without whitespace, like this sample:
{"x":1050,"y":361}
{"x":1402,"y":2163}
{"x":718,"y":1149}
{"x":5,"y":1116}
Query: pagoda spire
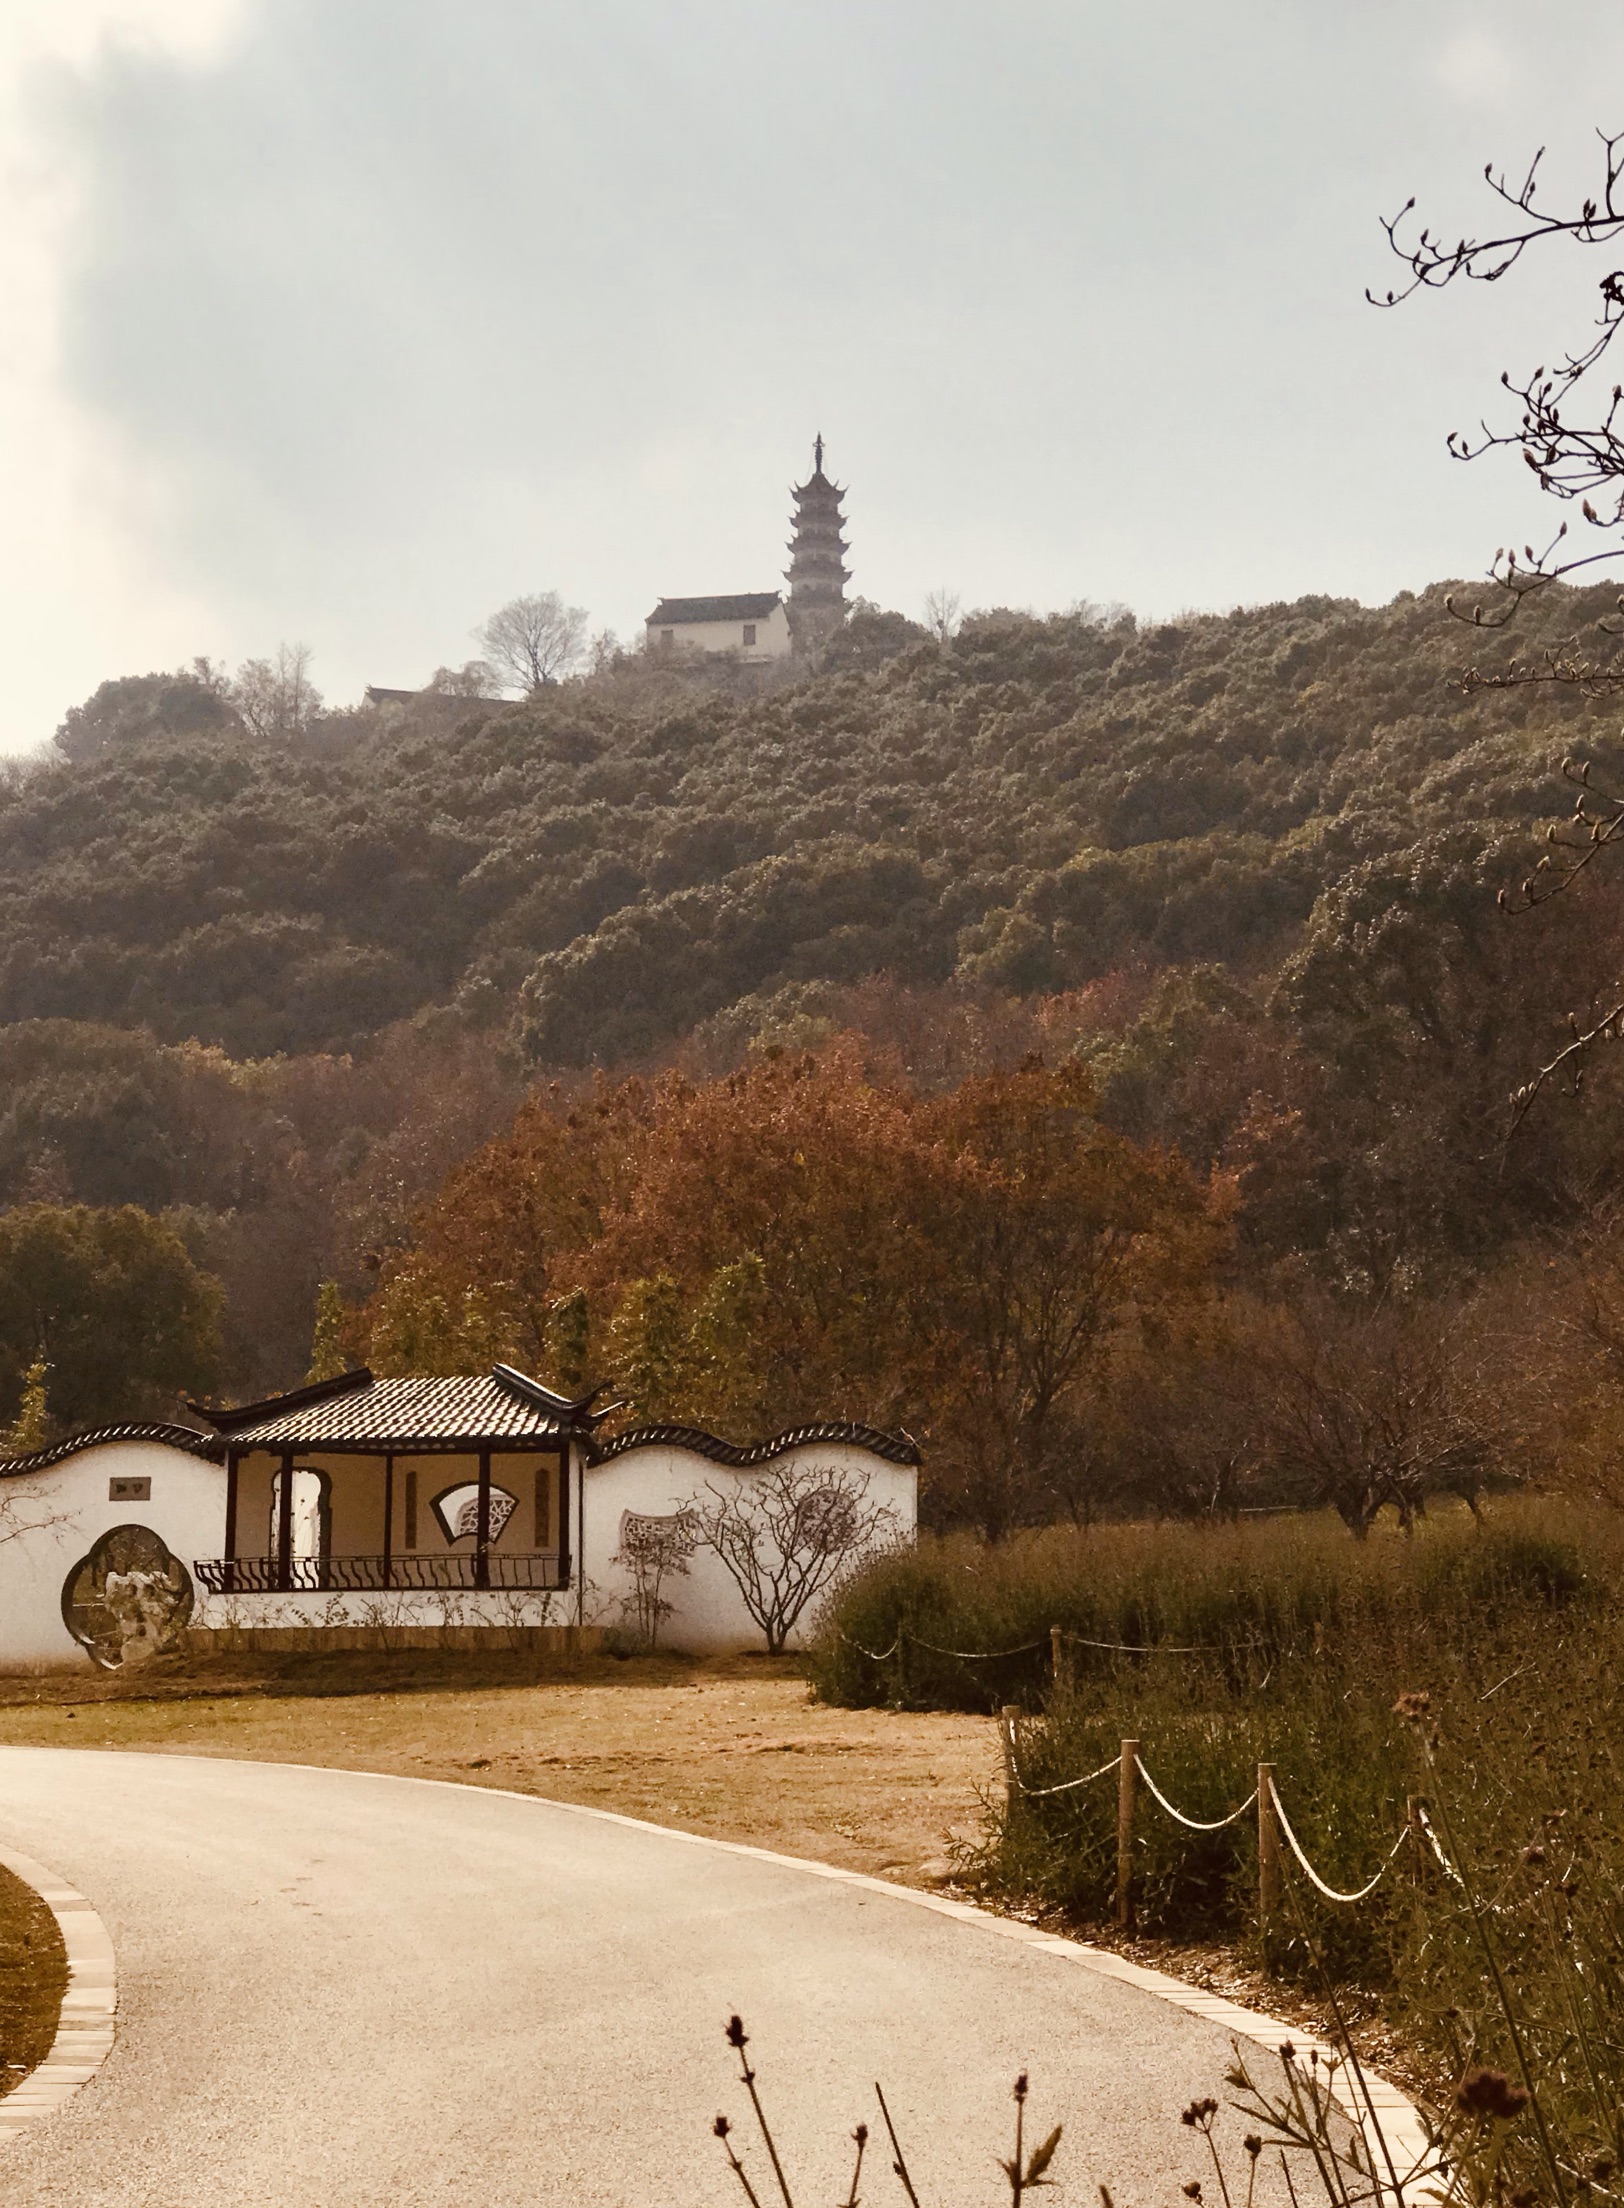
{"x":817,"y":571}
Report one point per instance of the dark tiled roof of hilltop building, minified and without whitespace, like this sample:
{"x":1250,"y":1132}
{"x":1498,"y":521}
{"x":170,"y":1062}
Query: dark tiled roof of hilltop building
{"x":674,"y":613}
{"x":359,"y":1412}
{"x":378,"y":693}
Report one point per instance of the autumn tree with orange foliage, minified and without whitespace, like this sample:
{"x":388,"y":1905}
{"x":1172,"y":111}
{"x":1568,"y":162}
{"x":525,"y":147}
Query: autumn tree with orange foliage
{"x":508,"y":1229}
{"x":1067,"y":1245}
{"x":809,"y":1238}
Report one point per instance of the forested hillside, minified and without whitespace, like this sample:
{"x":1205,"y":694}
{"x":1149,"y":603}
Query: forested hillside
{"x":1237,"y":870}
{"x":622,"y":857}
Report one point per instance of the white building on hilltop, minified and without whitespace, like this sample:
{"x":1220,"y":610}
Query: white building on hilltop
{"x":752,"y":626}
{"x":764,"y":625}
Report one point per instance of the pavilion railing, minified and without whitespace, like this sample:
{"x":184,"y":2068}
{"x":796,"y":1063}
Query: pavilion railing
{"x":376,"y":1575}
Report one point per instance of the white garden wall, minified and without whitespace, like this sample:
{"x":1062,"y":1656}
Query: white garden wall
{"x":170,"y":1499}
{"x":658,"y":1480}
{"x":52,"y":1518}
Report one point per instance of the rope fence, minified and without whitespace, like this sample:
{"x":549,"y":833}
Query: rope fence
{"x":1313,"y":1876}
{"x":1066,"y":1786}
{"x":1423,"y":1824}
{"x":1193,"y":1824}
{"x":1273,"y":1825}
{"x":1058,"y":1640}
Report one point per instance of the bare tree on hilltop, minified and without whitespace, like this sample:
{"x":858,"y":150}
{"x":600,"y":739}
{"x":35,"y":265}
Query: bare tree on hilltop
{"x":942,"y":614}
{"x":532,"y":641}
{"x":276,"y":697}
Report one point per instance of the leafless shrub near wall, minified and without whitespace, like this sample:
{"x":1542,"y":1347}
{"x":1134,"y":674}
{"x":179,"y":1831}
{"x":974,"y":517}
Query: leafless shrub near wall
{"x":653,"y":1550}
{"x":786,"y":1533}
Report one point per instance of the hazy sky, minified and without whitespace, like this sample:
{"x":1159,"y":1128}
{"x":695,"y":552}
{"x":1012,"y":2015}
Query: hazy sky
{"x":347,"y":320}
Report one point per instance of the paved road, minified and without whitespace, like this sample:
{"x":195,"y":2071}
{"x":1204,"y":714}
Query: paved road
{"x":338,"y":1990}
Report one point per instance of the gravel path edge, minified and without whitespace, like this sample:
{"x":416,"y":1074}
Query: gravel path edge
{"x":85,"y":2028}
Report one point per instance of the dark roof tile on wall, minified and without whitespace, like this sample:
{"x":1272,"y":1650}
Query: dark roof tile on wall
{"x":463,"y":1412}
{"x":96,"y":1437}
{"x":895,"y":1448}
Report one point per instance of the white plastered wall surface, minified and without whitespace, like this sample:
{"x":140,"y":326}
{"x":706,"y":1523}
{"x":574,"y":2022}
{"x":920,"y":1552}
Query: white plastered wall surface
{"x":659,"y":1479}
{"x":773,"y":639}
{"x":52,"y":1519}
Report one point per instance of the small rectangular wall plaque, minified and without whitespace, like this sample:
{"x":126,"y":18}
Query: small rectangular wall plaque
{"x":129,"y":1490}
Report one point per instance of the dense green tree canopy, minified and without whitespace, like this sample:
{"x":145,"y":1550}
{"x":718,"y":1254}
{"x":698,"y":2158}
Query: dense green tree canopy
{"x":613,"y":859}
{"x":1241,"y":867}
{"x":149,"y":708}
{"x":111,"y":1304}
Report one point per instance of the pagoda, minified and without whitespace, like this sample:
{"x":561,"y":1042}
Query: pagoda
{"x":817,"y":559}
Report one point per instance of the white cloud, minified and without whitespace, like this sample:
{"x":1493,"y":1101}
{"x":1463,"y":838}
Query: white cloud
{"x":76,"y":30}
{"x":1477,"y":67}
{"x":73,"y":599}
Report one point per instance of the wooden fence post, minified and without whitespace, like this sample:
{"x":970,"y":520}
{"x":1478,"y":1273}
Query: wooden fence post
{"x":1268,"y":1850}
{"x":1057,"y":1658}
{"x":1127,"y":1783}
{"x":1418,"y":1836}
{"x":1012,"y":1783}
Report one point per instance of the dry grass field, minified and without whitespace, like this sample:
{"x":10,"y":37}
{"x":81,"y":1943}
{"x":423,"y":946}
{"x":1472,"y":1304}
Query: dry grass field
{"x":735,"y":1749}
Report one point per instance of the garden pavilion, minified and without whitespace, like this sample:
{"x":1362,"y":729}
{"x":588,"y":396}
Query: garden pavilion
{"x":359,"y":1485}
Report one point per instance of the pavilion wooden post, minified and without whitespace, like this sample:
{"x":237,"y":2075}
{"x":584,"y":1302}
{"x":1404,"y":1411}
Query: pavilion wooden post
{"x":388,"y":1515}
{"x":230,"y":1573}
{"x":1007,"y":1718}
{"x":566,"y":1472}
{"x":284,"y":1526}
{"x":1127,"y":1788}
{"x":1268,"y":1850}
{"x":482,"y":1524}
{"x":579,"y":1454}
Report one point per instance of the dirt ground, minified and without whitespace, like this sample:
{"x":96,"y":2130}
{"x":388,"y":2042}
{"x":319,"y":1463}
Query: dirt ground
{"x":735,"y":1749}
{"x":33,"y":1978}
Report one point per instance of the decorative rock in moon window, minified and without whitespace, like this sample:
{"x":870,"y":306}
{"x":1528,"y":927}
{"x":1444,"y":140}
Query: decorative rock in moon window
{"x":457,"y":1509}
{"x":128,"y":1600}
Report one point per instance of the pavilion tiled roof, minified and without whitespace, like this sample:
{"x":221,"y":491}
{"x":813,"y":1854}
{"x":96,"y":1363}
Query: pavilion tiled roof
{"x":753,"y":605}
{"x":359,"y":1412}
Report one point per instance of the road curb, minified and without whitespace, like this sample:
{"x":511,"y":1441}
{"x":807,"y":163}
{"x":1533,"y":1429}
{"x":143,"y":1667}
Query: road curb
{"x":85,"y":2028}
{"x":1399,"y":2126}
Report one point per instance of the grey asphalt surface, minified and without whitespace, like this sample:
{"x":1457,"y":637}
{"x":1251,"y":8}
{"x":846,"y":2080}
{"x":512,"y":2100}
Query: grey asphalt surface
{"x":337,"y":1990}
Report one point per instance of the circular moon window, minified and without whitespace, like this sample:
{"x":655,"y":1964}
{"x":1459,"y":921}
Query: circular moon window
{"x":128,"y":1600}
